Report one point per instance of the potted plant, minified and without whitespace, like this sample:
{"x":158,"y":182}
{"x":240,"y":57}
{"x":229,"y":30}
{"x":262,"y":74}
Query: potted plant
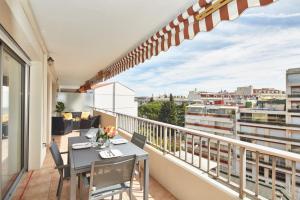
{"x":60,"y":107}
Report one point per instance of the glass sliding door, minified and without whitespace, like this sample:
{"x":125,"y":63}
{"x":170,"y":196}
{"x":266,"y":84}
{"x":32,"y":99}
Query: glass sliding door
{"x":12,"y":119}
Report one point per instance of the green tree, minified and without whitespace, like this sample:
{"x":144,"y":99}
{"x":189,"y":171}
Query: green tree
{"x":181,"y":114}
{"x":151,"y":99}
{"x":150,"y":110}
{"x":171,"y":97}
{"x":248,"y":104}
{"x":168,"y":113}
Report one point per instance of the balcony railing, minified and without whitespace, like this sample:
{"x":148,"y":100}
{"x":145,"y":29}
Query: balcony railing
{"x":279,"y":123}
{"x":294,"y":96}
{"x":294,"y":110}
{"x":229,"y":166}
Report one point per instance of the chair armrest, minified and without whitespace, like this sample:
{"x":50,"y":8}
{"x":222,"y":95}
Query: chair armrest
{"x":62,"y":166}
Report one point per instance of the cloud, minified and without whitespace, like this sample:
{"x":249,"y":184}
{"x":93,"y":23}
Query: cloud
{"x":254,"y":50}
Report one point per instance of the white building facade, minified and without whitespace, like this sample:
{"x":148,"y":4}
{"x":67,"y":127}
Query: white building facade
{"x":277,"y":126}
{"x":115,"y":97}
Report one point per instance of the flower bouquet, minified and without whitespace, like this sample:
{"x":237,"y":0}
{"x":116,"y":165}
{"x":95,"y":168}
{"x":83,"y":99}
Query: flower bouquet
{"x":104,"y":136}
{"x":109,"y":132}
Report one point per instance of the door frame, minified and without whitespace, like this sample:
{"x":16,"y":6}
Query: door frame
{"x":24,"y":118}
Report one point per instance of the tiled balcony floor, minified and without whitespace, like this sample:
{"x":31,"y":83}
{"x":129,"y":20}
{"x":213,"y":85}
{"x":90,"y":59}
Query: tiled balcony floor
{"x":41,"y":184}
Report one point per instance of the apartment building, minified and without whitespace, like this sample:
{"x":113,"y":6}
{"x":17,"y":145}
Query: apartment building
{"x":216,"y":119}
{"x":276,"y":124}
{"x":209,"y":97}
{"x":273,"y":122}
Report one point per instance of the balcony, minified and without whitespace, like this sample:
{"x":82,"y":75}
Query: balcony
{"x":280,"y":140}
{"x":294,"y":110}
{"x":178,"y":150}
{"x":278,"y":123}
{"x":272,"y":123}
{"x":294,"y":96}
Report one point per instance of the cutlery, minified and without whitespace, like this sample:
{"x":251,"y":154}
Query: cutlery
{"x":111,"y":153}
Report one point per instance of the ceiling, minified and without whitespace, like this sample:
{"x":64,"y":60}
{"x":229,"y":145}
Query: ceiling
{"x":86,"y":36}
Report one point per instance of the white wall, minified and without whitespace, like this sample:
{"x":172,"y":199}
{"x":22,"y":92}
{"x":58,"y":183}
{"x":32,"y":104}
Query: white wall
{"x":36,"y":123}
{"x":76,"y":102}
{"x":115,"y":97}
{"x":104,"y":98}
{"x":124,"y":100}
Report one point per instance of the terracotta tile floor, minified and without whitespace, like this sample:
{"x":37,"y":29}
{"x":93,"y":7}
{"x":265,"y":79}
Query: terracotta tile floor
{"x":42,"y":184}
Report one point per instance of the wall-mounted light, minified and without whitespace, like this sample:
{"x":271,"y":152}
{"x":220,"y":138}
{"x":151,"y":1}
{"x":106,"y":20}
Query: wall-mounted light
{"x":50,"y":61}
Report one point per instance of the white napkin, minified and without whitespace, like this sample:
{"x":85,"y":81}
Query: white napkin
{"x":81,"y":145}
{"x":89,"y":135}
{"x":110,"y":153}
{"x":118,"y":141}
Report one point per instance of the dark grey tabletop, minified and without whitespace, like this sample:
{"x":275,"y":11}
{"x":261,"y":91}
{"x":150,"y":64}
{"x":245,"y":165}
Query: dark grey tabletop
{"x":81,"y":159}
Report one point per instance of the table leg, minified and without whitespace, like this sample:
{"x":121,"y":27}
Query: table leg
{"x":73,"y":185}
{"x":146,"y":179}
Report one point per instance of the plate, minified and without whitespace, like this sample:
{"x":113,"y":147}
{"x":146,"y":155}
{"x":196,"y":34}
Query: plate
{"x":118,"y":141}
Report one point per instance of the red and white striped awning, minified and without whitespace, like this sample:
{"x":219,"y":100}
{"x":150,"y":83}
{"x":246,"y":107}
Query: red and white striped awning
{"x":202,"y":16}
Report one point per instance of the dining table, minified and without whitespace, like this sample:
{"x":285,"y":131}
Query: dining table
{"x":80,"y":160}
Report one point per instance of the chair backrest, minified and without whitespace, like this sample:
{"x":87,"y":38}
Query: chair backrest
{"x":56,"y":156}
{"x":112,"y":171}
{"x":139,"y":140}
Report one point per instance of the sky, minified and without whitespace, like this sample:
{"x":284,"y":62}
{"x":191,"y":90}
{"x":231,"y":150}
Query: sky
{"x":255,"y":49}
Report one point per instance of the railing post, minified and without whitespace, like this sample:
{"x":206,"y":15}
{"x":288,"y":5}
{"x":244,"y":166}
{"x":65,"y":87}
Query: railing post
{"x":165,"y":139}
{"x":257,"y":174}
{"x":229,"y":162}
{"x":200,"y":152}
{"x":218,"y":158}
{"x":208,"y":155}
{"x":193,"y":149}
{"x":293,"y":190}
{"x":117,"y":121}
{"x":242,"y":172}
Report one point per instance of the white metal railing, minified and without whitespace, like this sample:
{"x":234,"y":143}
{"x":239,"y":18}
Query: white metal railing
{"x":220,"y":157}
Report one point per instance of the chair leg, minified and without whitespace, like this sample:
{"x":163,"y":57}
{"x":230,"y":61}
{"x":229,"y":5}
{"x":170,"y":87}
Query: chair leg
{"x":78,"y":181}
{"x":121,"y":196}
{"x":130,"y":191}
{"x":130,"y":194}
{"x":57,"y":190}
{"x":60,"y":187}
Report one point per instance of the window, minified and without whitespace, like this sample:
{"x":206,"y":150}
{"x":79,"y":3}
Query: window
{"x":293,"y":78}
{"x":246,"y":116}
{"x":296,"y":90}
{"x":295,"y":105}
{"x":280,"y":176}
{"x":261,"y":171}
{"x":276,"y":118}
